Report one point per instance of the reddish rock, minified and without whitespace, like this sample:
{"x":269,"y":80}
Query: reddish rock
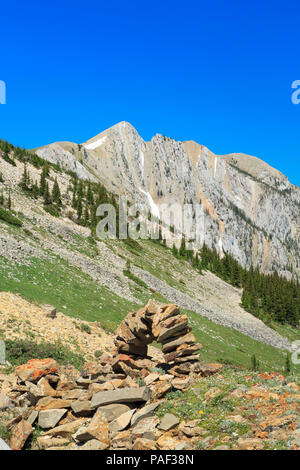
{"x":36,"y":368}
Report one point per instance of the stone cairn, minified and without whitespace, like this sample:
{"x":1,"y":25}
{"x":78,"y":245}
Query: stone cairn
{"x":111,"y":403}
{"x":163,"y":324}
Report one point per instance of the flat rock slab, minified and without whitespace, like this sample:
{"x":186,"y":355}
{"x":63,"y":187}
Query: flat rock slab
{"x":168,"y":422}
{"x":81,"y":407}
{"x":123,"y":395}
{"x":121,"y":422}
{"x":50,"y":418}
{"x":144,"y":412}
{"x":112,"y":412}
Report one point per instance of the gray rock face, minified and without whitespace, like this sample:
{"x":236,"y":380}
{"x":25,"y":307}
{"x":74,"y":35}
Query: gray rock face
{"x":122,"y":421}
{"x":251,"y":210}
{"x":144,"y":412}
{"x":50,"y":418}
{"x":124,"y":395}
{"x":168,"y":422}
{"x":112,"y":412}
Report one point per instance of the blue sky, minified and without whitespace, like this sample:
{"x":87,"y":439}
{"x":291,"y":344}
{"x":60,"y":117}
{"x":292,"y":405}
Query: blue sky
{"x":217,"y":72}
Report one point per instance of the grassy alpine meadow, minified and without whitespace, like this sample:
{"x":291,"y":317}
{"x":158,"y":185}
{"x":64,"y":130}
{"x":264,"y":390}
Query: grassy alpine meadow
{"x":74,"y":293}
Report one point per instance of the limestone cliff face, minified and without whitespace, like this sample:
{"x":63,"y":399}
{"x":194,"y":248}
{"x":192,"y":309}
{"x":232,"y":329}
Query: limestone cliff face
{"x":251,"y":210}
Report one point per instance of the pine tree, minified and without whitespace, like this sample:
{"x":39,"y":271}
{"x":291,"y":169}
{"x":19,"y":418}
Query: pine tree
{"x":254,"y":362}
{"x":56,"y":196}
{"x":24,"y":180}
{"x":90,"y":196}
{"x":182,"y":250}
{"x":35,"y":190}
{"x":9,"y":201}
{"x":79,"y":208}
{"x":287,"y":363}
{"x":174,"y":250}
{"x":47,"y":197}
{"x":43,"y":180}
{"x":86,"y":217}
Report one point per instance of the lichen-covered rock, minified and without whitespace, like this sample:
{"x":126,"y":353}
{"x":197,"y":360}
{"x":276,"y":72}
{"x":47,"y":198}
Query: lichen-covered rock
{"x":36,"y":368}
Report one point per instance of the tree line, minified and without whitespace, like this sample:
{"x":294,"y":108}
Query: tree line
{"x":270,"y":297}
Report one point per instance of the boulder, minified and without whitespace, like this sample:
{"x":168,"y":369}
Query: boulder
{"x":160,"y":389}
{"x":36,"y":368}
{"x":44,"y":442}
{"x":112,"y":412}
{"x":144,"y":412}
{"x":97,"y":429}
{"x":121,"y":423}
{"x":174,"y":343}
{"x":168,"y":422}
{"x":123,"y":395}
{"x":50,"y":418}
{"x":50,"y":311}
{"x":19,"y":434}
{"x":81,"y":407}
{"x":66,"y":430}
{"x":143,"y":426}
{"x":50,"y":403}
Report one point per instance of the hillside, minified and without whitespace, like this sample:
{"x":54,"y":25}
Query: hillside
{"x":53,"y":260}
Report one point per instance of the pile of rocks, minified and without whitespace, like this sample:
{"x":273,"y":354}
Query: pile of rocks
{"x":111,"y":403}
{"x":164,"y":324}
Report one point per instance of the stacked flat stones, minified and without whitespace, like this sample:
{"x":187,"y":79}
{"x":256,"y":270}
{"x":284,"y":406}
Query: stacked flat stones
{"x":164,"y":324}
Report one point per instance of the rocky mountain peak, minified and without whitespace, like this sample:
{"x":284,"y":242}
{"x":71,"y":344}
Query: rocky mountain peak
{"x":252,"y":210}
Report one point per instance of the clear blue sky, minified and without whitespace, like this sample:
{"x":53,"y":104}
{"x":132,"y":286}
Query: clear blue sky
{"x":217,"y":72}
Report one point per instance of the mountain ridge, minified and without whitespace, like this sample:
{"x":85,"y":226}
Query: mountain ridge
{"x":252,"y":208}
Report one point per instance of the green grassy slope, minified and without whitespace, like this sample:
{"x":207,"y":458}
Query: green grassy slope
{"x":74,"y":293}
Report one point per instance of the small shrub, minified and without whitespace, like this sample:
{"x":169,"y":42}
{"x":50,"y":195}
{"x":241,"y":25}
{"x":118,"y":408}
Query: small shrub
{"x":9,"y":218}
{"x":4,"y":434}
{"x":86,"y":328}
{"x":21,"y":351}
{"x":135,"y":279}
{"x":7,"y":158}
{"x":287,"y":367}
{"x":254,"y":363}
{"x":52,"y":210}
{"x":98,"y":353}
{"x":91,"y":240}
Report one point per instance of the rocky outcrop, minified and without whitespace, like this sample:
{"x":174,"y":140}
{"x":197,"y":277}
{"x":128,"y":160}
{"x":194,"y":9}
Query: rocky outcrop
{"x":251,"y":209}
{"x":91,"y":409}
{"x":161,"y":323}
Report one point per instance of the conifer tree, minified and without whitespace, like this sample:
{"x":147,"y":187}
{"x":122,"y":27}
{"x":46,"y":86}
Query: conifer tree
{"x":56,"y":196}
{"x":43,"y":180}
{"x":9,"y":200}
{"x":47,"y":197}
{"x":79,"y":208}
